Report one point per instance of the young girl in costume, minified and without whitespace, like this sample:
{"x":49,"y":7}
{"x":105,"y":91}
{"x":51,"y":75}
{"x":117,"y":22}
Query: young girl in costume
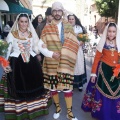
{"x":102,"y":95}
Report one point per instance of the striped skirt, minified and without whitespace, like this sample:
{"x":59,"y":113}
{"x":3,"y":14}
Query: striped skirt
{"x":22,"y":109}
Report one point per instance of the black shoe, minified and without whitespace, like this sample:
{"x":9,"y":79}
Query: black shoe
{"x":80,"y":89}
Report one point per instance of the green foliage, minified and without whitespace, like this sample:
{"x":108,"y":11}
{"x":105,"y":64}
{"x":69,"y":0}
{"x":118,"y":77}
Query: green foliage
{"x":107,"y":8}
{"x":3,"y":47}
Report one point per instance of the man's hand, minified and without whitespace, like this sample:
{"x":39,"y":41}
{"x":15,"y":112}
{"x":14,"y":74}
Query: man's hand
{"x":39,"y":58}
{"x":56,"y":55}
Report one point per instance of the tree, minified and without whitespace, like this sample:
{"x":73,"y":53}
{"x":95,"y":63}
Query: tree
{"x":108,"y":8}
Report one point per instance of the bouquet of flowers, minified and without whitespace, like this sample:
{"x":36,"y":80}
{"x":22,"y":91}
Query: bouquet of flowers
{"x":83,"y":37}
{"x":3,"y":50}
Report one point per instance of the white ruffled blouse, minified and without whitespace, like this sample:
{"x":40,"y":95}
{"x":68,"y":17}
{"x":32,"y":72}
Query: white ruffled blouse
{"x":17,"y":46}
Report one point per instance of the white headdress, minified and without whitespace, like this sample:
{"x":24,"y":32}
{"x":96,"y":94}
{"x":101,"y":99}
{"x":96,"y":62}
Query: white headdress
{"x":104,"y":37}
{"x":30,"y":28}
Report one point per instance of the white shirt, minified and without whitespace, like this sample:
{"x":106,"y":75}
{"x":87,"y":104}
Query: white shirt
{"x":14,"y":50}
{"x":59,"y":25}
{"x":77,"y":29}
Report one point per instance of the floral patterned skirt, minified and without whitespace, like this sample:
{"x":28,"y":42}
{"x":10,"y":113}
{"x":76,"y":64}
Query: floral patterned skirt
{"x":102,"y":98}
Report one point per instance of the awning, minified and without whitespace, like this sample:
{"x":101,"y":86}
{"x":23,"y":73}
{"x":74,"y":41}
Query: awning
{"x":16,"y":9}
{"x":3,"y":6}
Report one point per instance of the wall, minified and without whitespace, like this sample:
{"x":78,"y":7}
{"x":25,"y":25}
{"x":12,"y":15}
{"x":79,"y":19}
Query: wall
{"x":69,"y":5}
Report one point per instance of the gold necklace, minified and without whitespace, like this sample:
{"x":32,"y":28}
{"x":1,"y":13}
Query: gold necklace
{"x":23,"y":33}
{"x":111,"y":42}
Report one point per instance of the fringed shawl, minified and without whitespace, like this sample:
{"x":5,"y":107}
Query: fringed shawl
{"x":68,"y":51}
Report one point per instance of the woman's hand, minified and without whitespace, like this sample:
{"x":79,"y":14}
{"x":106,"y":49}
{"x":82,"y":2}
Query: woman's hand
{"x":44,"y":46}
{"x":81,"y":43}
{"x":93,"y":79}
{"x":7,"y":69}
{"x":56,"y":55}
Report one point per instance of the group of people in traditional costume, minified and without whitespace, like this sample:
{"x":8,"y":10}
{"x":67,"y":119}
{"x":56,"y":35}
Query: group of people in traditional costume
{"x":26,"y":87}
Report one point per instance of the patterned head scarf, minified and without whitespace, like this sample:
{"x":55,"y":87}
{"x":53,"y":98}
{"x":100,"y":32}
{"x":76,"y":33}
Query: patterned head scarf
{"x":104,"y":37}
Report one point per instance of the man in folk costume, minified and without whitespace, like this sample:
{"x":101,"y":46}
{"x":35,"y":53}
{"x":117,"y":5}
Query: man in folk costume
{"x":59,"y":73}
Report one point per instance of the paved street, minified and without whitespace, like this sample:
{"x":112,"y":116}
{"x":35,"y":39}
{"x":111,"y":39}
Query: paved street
{"x":77,"y":99}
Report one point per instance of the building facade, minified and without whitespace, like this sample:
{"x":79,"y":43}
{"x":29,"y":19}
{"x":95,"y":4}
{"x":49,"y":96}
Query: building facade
{"x":27,"y":4}
{"x":74,"y":6}
{"x":14,"y":8}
